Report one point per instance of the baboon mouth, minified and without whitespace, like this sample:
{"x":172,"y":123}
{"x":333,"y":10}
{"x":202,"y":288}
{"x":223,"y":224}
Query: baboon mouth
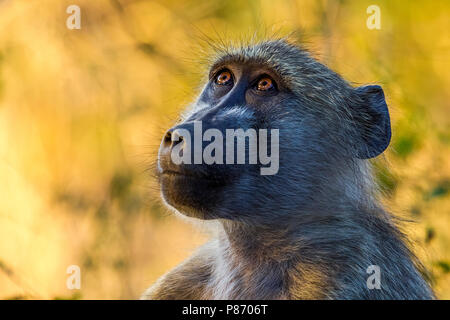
{"x":173,"y":173}
{"x":186,"y":175}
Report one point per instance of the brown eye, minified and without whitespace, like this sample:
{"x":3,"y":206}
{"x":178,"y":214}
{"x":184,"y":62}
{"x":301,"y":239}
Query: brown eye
{"x":224,"y":78}
{"x":265,"y":84}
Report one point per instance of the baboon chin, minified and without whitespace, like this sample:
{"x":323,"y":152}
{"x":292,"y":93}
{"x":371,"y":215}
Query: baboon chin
{"x":276,"y":149}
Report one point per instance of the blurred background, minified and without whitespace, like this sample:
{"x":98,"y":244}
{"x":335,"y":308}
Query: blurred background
{"x":82,"y":113}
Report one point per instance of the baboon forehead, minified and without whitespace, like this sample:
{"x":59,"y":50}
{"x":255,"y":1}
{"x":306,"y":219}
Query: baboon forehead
{"x":290,"y":61}
{"x":279,"y":55}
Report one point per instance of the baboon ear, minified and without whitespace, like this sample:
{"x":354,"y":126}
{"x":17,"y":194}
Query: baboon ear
{"x":375,"y":125}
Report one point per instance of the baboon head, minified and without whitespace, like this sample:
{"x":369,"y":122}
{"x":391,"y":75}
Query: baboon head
{"x":319,"y":130}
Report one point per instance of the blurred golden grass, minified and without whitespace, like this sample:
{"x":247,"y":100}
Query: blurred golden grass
{"x":82,"y":113}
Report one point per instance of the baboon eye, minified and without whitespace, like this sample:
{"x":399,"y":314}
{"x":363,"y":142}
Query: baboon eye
{"x":265,"y":84}
{"x":224,"y":78}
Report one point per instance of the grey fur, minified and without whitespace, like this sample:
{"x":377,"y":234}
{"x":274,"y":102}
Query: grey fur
{"x":311,"y":231}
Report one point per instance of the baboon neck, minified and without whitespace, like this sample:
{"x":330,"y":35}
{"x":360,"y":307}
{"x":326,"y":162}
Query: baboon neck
{"x":313,"y":237}
{"x":257,"y":242}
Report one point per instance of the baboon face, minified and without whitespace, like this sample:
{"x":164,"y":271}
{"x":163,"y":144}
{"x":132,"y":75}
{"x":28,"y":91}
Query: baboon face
{"x":312,"y":120}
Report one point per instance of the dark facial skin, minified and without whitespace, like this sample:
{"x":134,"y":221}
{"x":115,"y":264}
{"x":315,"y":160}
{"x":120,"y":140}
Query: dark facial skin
{"x":199,"y":190}
{"x":242,"y":89}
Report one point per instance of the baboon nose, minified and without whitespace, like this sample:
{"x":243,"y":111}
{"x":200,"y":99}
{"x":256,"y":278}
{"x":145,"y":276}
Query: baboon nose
{"x":167,"y":141}
{"x":170,"y":140}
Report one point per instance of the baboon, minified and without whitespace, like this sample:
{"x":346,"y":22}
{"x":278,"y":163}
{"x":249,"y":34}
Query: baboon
{"x":312,"y":230}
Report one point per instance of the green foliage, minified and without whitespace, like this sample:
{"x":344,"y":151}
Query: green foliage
{"x":444,"y":266}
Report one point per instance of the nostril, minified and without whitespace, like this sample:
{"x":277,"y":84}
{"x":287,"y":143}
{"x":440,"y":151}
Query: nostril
{"x":176,"y":137}
{"x":168,"y":137}
{"x":172,"y":138}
